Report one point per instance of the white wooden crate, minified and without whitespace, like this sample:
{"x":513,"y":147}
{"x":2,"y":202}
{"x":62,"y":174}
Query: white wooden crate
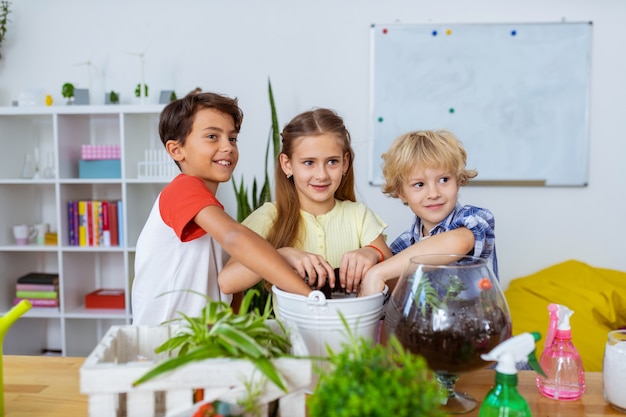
{"x":125,"y":353}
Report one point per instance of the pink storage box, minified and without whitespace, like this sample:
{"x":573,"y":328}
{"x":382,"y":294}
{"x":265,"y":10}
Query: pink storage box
{"x":90,"y":152}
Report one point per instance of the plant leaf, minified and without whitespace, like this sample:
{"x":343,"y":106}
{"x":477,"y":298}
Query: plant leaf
{"x":247,"y":299}
{"x":266,"y":192}
{"x":203,"y":352}
{"x":255,"y":201}
{"x":267,"y":368}
{"x":240,"y":341}
{"x":275,"y":126}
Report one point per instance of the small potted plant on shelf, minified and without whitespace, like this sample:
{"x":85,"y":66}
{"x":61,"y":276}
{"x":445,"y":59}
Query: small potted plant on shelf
{"x":138,"y":90}
{"x":167,"y":96}
{"x":112,"y":98}
{"x":369,"y":379}
{"x":68,"y":92}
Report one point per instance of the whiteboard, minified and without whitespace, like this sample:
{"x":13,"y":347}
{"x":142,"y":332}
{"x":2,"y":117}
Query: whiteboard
{"x":516,"y":95}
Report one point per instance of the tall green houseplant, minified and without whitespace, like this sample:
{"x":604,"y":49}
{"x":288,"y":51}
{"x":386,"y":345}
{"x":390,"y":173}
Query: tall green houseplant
{"x":247,"y":203}
{"x":5,"y":10}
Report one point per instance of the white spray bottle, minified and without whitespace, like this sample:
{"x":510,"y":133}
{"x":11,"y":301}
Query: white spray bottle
{"x":504,"y":399}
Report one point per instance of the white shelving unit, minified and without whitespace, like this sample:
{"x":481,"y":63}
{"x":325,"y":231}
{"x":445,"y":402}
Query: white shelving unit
{"x":60,"y":131}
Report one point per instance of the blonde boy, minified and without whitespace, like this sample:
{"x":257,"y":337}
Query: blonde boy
{"x":425,"y":170}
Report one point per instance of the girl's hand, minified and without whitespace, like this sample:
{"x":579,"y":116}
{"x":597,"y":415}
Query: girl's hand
{"x":354,"y":265}
{"x":309,"y":265}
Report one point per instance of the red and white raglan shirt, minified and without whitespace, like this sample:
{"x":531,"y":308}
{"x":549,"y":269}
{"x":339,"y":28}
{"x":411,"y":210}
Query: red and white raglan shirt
{"x":174,"y":255}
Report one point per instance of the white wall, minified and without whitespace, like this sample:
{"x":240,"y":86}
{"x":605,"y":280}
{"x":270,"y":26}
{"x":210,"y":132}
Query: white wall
{"x":317,"y":54}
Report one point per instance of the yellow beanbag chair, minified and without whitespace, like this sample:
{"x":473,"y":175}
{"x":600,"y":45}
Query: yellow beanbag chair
{"x":597,"y":296}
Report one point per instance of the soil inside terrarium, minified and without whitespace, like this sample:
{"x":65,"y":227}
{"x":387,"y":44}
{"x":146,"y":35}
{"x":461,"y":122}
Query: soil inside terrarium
{"x":453,"y":345}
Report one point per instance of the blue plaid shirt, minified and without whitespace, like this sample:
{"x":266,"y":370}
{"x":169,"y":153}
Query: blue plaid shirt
{"x":479,"y":220}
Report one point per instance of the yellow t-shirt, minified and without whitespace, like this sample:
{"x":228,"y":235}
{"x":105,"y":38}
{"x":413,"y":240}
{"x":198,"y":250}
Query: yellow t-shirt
{"x":348,"y":226}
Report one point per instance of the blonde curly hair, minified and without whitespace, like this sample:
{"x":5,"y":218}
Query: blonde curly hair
{"x":424,"y":148}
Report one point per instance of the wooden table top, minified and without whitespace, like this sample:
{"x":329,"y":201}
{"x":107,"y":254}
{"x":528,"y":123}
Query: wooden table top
{"x":591,"y":404}
{"x":46,"y":386}
{"x":43,"y":386}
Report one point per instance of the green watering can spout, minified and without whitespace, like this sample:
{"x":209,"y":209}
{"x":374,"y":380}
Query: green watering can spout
{"x":6,"y":322}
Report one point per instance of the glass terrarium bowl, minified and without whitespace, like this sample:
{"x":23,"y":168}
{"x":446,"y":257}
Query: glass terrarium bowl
{"x":450,"y":310}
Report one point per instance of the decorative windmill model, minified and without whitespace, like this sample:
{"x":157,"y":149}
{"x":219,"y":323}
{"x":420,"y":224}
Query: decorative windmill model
{"x":142,"y":86}
{"x":90,"y":68}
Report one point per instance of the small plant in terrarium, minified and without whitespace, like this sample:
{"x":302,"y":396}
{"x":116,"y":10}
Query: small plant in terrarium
{"x":427,"y":294}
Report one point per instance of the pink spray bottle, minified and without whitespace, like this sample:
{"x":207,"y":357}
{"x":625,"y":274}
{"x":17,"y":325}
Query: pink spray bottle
{"x":565,"y":376}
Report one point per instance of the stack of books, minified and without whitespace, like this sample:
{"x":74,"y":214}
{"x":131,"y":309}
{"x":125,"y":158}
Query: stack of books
{"x":95,"y":223}
{"x":41,"y":289}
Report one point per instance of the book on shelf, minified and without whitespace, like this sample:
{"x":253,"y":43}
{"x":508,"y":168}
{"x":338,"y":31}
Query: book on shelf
{"x":72,"y":222}
{"x":113,"y":220}
{"x":37,"y":294}
{"x":98,"y":226}
{"x":89,"y":221}
{"x":39,"y":278}
{"x":39,"y":302}
{"x":94,"y":223}
{"x":104,"y":224}
{"x":36,"y":287}
{"x":82,"y":223}
{"x":120,"y":224}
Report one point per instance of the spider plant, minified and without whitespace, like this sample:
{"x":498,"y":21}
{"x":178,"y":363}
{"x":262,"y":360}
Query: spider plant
{"x":219,"y":332}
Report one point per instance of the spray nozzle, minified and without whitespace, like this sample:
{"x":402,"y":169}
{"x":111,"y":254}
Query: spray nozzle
{"x":559,"y":320}
{"x":520,"y":348}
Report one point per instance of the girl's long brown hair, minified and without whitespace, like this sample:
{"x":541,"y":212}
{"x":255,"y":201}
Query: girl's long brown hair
{"x":287,"y":228}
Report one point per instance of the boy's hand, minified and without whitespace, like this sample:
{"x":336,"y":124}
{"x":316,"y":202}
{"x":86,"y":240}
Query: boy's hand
{"x":311,"y":266}
{"x":371,"y":284}
{"x":354,"y":265}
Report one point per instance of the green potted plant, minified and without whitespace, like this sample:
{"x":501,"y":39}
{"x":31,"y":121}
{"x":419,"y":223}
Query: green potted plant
{"x":366,"y":379}
{"x":112,"y":98}
{"x":5,"y":10}
{"x":67,"y":90}
{"x":138,"y":90}
{"x":246,"y":203}
{"x":221,"y":333}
